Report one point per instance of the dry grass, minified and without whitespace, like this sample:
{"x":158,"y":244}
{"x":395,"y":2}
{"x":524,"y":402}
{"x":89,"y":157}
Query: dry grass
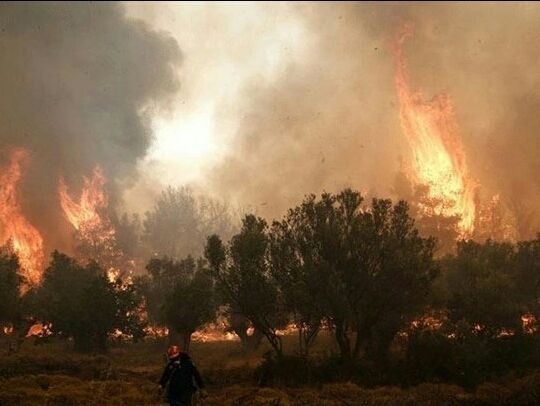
{"x":53,"y":375}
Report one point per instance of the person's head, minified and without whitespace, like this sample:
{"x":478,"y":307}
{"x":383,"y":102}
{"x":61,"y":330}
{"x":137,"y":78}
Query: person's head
{"x":173,"y":351}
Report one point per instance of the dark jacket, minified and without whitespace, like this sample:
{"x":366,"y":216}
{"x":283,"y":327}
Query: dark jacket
{"x":180,"y":373}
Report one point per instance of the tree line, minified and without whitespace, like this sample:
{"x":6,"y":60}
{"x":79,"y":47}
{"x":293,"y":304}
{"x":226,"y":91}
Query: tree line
{"x":360,"y":269}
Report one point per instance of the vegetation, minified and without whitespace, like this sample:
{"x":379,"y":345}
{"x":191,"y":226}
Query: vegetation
{"x":179,"y":295}
{"x":372,"y":300}
{"x":10,"y":284}
{"x":79,"y":302}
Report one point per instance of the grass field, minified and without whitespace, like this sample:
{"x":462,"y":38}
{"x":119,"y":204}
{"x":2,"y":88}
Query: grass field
{"x":52,"y":374}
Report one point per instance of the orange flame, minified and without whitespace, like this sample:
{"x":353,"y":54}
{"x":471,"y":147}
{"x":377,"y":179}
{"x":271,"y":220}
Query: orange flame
{"x":438,"y":155}
{"x":95,"y":233}
{"x":88,"y":215}
{"x":85,"y":213}
{"x":39,"y":330}
{"x":15,"y":229}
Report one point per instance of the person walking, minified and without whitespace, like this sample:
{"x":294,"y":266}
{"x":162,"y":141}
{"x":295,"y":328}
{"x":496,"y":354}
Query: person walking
{"x":180,"y":379}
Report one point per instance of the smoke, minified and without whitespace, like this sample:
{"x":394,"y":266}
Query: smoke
{"x":78,"y":83}
{"x":301,"y":97}
{"x":331,"y":118}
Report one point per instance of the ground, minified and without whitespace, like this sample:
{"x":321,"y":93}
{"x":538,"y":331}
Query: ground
{"x":52,"y":374}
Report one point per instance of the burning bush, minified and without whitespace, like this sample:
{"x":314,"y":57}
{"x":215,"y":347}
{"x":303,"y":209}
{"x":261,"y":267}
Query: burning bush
{"x":81,"y":303}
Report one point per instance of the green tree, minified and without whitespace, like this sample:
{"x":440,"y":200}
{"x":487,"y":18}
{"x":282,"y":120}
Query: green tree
{"x":80,"y":302}
{"x":527,"y":264}
{"x":238,"y":323}
{"x":479,"y":288}
{"x":129,"y":307}
{"x":244,"y":279}
{"x":179,"y":295}
{"x":190,"y":305}
{"x":292,"y":267}
{"x":366,"y":270}
{"x":10,"y":285}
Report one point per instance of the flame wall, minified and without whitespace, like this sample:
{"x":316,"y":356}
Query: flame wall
{"x":78,"y":84}
{"x":331,"y":117}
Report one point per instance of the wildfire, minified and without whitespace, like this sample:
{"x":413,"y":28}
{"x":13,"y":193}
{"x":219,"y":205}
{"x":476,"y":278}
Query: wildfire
{"x":84,"y":214}
{"x":15,"y":229}
{"x":88,"y":215}
{"x":39,"y":330}
{"x":438,"y":155}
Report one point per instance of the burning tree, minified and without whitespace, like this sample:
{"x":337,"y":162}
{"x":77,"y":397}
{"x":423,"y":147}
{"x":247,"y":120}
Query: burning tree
{"x":94,"y":233}
{"x":80,"y":302}
{"x":14,"y":227}
{"x":438,"y":156}
{"x":429,"y":219}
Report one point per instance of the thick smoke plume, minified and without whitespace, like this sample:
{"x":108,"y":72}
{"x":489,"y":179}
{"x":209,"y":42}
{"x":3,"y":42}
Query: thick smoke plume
{"x":331,"y":119}
{"x":78,"y":83}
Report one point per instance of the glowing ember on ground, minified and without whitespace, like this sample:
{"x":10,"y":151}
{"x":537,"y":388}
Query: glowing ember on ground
{"x":438,"y":155}
{"x":210,"y":333}
{"x":15,"y":229}
{"x":288,"y":330}
{"x":39,"y":330}
{"x":529,"y":323}
{"x":213,"y":335}
{"x":156,"y":331}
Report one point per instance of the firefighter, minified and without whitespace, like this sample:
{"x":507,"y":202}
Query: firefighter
{"x":180,"y":379}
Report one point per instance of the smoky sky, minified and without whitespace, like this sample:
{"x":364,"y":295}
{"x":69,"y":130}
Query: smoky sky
{"x":81,"y":82}
{"x":331,"y":119}
{"x":78,"y":84}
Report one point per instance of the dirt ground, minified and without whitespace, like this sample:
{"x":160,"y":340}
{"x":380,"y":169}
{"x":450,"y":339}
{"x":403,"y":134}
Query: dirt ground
{"x":52,"y":374}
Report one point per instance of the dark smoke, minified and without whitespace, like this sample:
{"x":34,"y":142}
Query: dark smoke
{"x":78,"y":82}
{"x":332,"y":119}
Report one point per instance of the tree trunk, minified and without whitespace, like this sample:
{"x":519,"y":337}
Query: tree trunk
{"x":240,"y":325}
{"x":173,"y":336}
{"x":343,"y":340}
{"x":377,"y":347}
{"x":306,"y":337}
{"x":276,"y":343}
{"x":185,"y":340}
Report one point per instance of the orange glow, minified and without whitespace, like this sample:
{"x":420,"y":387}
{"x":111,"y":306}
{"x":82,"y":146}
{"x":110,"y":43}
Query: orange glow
{"x":15,"y":229}
{"x":39,"y":330}
{"x":529,"y":323}
{"x":84,"y":214}
{"x":209,"y":335}
{"x":156,"y":331}
{"x":88,"y":215}
{"x":438,"y":157}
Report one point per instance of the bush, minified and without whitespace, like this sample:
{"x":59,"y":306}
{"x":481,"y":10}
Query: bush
{"x":432,"y":356}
